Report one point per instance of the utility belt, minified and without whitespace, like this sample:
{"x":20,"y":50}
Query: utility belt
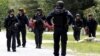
{"x":77,"y":28}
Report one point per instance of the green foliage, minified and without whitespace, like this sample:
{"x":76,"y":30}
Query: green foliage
{"x":78,"y":6}
{"x":73,"y":5}
{"x":95,"y":10}
{"x":30,"y":6}
{"x":3,"y":10}
{"x":46,"y":5}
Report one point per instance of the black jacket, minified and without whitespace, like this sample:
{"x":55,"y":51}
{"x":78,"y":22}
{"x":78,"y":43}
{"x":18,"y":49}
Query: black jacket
{"x":23,"y":20}
{"x":11,"y":23}
{"x":39,"y":20}
{"x":61,"y":17}
{"x":91,"y":24}
{"x":78,"y":24}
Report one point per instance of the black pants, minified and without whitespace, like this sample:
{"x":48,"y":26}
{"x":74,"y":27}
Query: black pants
{"x":23,"y":32}
{"x":77,"y":34}
{"x":92,"y":33}
{"x":60,"y":34}
{"x":38,"y":36}
{"x":11,"y":36}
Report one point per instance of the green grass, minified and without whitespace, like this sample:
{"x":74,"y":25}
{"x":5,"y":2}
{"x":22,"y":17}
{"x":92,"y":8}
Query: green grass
{"x":90,"y":47}
{"x":30,"y":36}
{"x":98,"y":28}
{"x":81,"y":49}
{"x":86,"y":47}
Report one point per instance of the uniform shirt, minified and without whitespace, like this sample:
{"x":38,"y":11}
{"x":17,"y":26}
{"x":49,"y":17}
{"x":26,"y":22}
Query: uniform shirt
{"x":23,"y":20}
{"x":78,"y":23}
{"x":10,"y":22}
{"x":61,"y":17}
{"x":39,"y":20}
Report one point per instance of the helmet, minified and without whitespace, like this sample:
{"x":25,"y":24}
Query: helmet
{"x":39,"y":9}
{"x":78,"y":15}
{"x":60,"y":4}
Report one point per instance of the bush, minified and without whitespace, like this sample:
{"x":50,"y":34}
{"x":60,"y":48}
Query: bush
{"x":3,"y":10}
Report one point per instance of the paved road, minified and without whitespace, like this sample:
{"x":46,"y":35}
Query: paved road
{"x":30,"y":49}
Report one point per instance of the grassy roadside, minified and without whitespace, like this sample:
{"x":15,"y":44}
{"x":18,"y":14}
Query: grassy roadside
{"x":81,"y":49}
{"x":86,"y":47}
{"x":98,"y":29}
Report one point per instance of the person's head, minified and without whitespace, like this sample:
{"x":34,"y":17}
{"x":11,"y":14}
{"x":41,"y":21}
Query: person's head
{"x":21,"y":11}
{"x":60,"y":4}
{"x":90,"y":16}
{"x":11,"y":12}
{"x":78,"y":16}
{"x":39,"y":11}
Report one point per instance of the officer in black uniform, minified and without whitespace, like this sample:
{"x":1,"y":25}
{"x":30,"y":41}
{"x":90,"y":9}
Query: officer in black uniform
{"x":39,"y":19}
{"x":78,"y":24}
{"x":92,"y":26}
{"x":23,"y":20}
{"x":60,"y":20}
{"x":11,"y":24}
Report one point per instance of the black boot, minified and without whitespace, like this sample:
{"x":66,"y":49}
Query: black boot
{"x":56,"y":55}
{"x":14,"y":50}
{"x":39,"y":46}
{"x":8,"y":49}
{"x":23,"y":45}
{"x":36,"y":46}
{"x":62,"y":55}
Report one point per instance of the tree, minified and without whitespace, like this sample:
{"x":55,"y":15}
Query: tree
{"x":3,"y":11}
{"x":95,"y":10}
{"x":75,"y":6}
{"x":30,"y":6}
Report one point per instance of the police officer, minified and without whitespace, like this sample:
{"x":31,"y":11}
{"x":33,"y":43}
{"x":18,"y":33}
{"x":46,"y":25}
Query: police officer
{"x":60,"y":20}
{"x":23,"y":20}
{"x":10,"y":24}
{"x":78,"y":23}
{"x":92,"y":26}
{"x":39,"y":19}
